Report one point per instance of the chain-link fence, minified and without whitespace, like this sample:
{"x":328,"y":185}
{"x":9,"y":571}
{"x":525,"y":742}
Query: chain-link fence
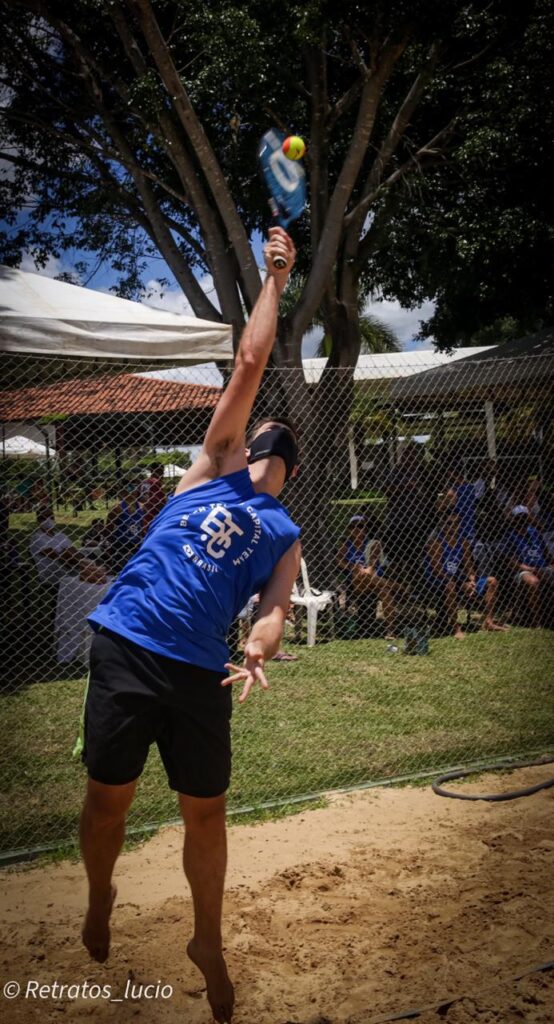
{"x":425,"y":497}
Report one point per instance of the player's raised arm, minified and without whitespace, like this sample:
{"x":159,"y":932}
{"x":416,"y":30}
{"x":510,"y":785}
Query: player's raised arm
{"x":223,"y":450}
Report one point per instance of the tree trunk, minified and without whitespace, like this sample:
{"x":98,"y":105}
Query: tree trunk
{"x":321,"y":414}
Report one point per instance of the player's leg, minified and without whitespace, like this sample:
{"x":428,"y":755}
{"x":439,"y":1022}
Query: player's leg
{"x":205,"y":862}
{"x":121,"y":720}
{"x":195,"y":746}
{"x":102,"y":831}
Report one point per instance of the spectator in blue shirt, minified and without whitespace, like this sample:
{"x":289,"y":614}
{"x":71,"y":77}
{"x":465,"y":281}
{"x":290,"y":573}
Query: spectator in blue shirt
{"x":465,"y":502}
{"x":534,"y":573}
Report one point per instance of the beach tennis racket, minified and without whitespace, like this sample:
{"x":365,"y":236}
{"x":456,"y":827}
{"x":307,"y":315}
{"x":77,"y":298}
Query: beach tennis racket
{"x":285,"y":180}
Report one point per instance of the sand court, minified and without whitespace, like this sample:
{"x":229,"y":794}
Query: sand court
{"x":382,"y":901}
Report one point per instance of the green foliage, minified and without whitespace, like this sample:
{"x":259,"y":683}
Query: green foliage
{"x":478,"y":234}
{"x":171,"y":458}
{"x":468,"y":223}
{"x":506,"y":328}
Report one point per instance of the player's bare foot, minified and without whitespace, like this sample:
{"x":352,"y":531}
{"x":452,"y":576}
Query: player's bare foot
{"x":96,"y":929}
{"x":221,"y":994}
{"x":459,"y":634}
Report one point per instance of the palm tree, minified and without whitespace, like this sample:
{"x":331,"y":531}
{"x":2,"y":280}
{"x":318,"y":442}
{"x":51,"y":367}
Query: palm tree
{"x":377,"y":337}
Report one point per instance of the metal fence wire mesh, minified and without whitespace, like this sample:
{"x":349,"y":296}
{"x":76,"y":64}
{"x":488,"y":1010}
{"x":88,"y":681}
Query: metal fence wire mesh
{"x":425,"y":498}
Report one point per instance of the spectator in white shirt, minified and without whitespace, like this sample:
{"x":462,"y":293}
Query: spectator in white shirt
{"x":52,"y":551}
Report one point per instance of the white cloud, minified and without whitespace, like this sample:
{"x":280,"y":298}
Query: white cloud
{"x":404,"y":322}
{"x":173,"y":300}
{"x":8,"y":171}
{"x":53,"y":267}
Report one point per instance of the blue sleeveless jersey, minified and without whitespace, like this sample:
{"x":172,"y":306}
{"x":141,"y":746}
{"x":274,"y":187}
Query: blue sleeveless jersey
{"x":354,"y":555}
{"x":206,"y":553}
{"x":529,"y":549}
{"x":452,"y":558}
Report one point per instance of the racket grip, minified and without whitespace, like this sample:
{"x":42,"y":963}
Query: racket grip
{"x":278,"y":262}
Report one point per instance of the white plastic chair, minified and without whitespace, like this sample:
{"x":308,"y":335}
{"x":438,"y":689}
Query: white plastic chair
{"x":313,"y":601}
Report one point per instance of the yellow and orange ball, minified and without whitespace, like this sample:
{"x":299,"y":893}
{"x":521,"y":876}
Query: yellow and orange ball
{"x":294,"y":147}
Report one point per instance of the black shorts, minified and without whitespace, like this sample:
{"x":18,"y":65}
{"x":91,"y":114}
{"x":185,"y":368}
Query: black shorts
{"x":135,"y":698}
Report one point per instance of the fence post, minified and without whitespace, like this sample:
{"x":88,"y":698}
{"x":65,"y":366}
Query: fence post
{"x":491,"y":432}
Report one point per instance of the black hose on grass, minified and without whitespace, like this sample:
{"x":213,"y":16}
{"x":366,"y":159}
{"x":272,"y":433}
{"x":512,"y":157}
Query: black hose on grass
{"x":496,"y":797}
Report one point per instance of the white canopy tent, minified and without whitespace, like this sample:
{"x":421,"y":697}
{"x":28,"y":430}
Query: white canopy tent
{"x":23,"y":447}
{"x":41,"y":316}
{"x":171,"y":471}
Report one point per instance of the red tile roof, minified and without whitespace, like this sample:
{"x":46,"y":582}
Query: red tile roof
{"x":95,"y":396}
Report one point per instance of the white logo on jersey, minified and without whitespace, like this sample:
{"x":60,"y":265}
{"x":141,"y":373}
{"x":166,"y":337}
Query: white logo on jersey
{"x":220,"y":526}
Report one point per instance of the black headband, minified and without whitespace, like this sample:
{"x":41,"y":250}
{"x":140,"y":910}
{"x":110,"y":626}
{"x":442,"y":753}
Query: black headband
{"x":275,"y":441}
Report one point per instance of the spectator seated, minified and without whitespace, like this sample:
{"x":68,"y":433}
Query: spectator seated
{"x":533,"y":569}
{"x":362,"y":560}
{"x":52,"y":551}
{"x":450,"y":578}
{"x":124,"y":526}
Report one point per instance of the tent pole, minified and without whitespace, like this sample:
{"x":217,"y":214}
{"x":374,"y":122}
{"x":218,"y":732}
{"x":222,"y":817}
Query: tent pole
{"x":491,"y":431}
{"x":393,"y":446}
{"x":49,"y":481}
{"x":353,"y":459}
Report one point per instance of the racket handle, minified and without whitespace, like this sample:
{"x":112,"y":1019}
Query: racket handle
{"x":278,"y":262}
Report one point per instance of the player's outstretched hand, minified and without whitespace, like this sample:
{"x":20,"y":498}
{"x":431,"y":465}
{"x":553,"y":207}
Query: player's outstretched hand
{"x":252,"y":671}
{"x":279,"y":245}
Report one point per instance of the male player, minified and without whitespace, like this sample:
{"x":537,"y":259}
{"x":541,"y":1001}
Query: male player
{"x":158,"y":659}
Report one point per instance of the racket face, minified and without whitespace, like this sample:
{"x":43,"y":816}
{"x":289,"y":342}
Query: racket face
{"x":285,"y":179}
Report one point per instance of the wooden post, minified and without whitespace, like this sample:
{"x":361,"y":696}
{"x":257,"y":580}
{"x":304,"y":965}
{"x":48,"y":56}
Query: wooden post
{"x":491,"y":432}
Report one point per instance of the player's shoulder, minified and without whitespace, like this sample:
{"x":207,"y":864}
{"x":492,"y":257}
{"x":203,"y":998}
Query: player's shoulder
{"x":273,"y":510}
{"x":231,"y":486}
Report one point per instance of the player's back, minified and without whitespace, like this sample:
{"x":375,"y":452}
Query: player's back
{"x":204,"y":555}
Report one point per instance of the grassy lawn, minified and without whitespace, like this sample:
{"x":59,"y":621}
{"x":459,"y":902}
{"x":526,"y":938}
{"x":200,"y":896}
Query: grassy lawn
{"x":344,"y":714}
{"x":23,"y":524}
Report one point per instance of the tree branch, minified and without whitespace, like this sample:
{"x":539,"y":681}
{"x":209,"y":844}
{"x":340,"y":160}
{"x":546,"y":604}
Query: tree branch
{"x":316,"y":65}
{"x":394,"y":136}
{"x":428,"y":150}
{"x":428,"y":153}
{"x":221,"y":266}
{"x":187,"y":237}
{"x":168,"y":134}
{"x":198,"y":299}
{"x":201,"y":145}
{"x":161,"y":233}
{"x":327,"y":249}
{"x":346,"y":101}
